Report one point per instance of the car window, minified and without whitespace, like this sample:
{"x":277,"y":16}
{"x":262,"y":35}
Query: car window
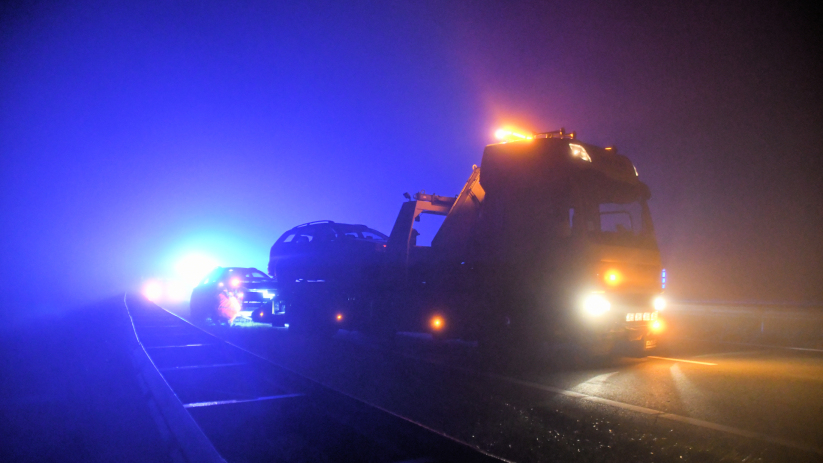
{"x":258,"y":275}
{"x":373,"y":235}
{"x":301,"y":236}
{"x":359,"y":232}
{"x":324,"y":233}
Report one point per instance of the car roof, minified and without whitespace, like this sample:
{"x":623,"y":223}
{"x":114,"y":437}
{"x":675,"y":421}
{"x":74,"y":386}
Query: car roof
{"x":333,"y":224}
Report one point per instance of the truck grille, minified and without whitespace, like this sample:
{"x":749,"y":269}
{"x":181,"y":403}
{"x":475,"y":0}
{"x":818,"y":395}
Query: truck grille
{"x":641,"y":316}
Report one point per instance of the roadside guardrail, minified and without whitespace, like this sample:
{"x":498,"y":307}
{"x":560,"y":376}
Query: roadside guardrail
{"x":783,"y":325}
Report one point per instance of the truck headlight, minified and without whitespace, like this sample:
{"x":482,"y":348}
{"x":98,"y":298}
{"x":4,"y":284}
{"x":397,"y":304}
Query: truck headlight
{"x":595,"y":305}
{"x":659,"y":303}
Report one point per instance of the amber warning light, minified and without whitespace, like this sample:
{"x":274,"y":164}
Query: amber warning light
{"x":510,"y":135}
{"x":612,"y":277}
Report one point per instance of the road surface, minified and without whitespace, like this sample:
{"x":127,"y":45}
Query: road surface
{"x":692,"y":401}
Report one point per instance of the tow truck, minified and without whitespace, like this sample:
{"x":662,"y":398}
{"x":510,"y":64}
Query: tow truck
{"x":549,"y":241}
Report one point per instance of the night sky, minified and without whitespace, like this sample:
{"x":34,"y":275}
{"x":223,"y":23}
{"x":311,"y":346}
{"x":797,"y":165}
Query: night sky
{"x":134,"y":135}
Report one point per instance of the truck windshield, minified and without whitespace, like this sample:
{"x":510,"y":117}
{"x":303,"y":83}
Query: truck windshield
{"x":616,"y":213}
{"x":621,"y":218}
{"x":620,"y":224}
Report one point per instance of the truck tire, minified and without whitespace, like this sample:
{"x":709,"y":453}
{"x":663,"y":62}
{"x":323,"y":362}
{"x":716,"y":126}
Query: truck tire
{"x":303,"y":319}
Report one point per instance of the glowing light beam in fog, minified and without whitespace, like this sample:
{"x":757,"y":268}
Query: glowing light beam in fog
{"x":192,"y":268}
{"x":153,"y":290}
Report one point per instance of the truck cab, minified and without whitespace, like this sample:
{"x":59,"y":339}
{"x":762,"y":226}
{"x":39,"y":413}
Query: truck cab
{"x":550,"y":239}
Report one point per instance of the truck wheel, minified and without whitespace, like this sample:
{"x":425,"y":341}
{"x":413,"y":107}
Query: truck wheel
{"x":302,"y":321}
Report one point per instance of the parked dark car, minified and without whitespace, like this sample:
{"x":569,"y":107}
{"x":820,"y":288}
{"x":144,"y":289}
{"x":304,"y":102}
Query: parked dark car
{"x":226,"y":292}
{"x":323,"y":251}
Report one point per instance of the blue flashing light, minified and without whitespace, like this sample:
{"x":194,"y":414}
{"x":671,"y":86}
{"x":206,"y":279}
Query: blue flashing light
{"x":663,"y":278}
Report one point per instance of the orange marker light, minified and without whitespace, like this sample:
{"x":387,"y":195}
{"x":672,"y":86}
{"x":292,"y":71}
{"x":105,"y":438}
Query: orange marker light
{"x":437,"y":323}
{"x":657,"y":325}
{"x":339,"y":317}
{"x":509,"y":135}
{"x":612,"y":278}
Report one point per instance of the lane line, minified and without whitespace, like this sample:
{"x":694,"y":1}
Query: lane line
{"x":157,"y":327}
{"x":682,"y":360}
{"x":240,"y":401}
{"x":623,"y":405}
{"x":635,"y":408}
{"x":184,"y":345}
{"x":211,"y":365}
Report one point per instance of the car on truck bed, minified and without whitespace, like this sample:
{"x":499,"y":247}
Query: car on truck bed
{"x":323,"y":264}
{"x":323,"y":250}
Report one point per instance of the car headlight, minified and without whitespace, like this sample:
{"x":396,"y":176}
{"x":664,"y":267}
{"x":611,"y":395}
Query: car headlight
{"x":659,"y":303}
{"x":595,"y":305}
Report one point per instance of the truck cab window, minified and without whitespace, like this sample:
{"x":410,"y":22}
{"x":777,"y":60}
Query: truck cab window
{"x":621,"y":218}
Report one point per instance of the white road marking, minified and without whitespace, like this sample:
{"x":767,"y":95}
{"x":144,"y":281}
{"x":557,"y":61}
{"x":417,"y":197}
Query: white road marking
{"x":240,"y":401}
{"x":210,"y":365}
{"x":185,"y":345}
{"x":682,"y":360}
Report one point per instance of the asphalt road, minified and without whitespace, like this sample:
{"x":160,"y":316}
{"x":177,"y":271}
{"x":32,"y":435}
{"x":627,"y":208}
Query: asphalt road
{"x":693,"y":402}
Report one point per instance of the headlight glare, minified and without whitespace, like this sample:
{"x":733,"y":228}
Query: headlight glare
{"x":659,"y":303}
{"x":595,"y":304}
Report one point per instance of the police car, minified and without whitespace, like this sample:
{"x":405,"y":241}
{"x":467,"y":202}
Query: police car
{"x":231,"y":291}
